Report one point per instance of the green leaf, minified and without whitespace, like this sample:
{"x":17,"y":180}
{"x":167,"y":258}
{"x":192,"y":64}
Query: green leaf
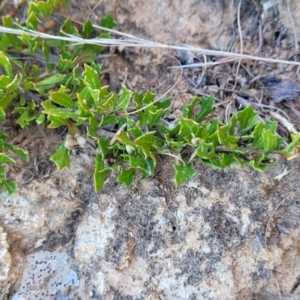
{"x":40,"y":119}
{"x":257,"y":135}
{"x":225,"y":138}
{"x":146,"y":165}
{"x":50,"y":81}
{"x":8,"y":38}
{"x":2,"y":114}
{"x":232,"y":128}
{"x":108,"y":22}
{"x":5,"y":159}
{"x":212,"y":126}
{"x":136,"y":161}
{"x":164,"y":104}
{"x":149,"y":167}
{"x":188,"y":111}
{"x":25,"y":118}
{"x":69,"y":28}
{"x":270,"y":141}
{"x":19,"y":151}
{"x":66,"y":64}
{"x":206,"y":108}
{"x":87,"y":29}
{"x":92,"y":77}
{"x":108,"y":120}
{"x":291,"y":149}
{"x":104,"y":94}
{"x":93,"y":122}
{"x":56,"y":122}
{"x":124,"y":100}
{"x":4,"y":44}
{"x":97,"y":67}
{"x":247,"y":118}
{"x":22,"y":101}
{"x":141,"y":100}
{"x":32,"y":21}
{"x":48,"y":105}
{"x":148,"y":98}
{"x":271,"y":125}
{"x":136,"y":132}
{"x":61,"y":157}
{"x":261,"y":163}
{"x":214,"y":162}
{"x":3,"y":136}
{"x":104,"y":148}
{"x":61,"y":113}
{"x":21,"y":110}
{"x":205,"y":150}
{"x":124,"y":138}
{"x":145,"y":144}
{"x":266,"y":139}
{"x":41,"y":7}
{"x":227,"y":160}
{"x":126,"y":176}
{"x":5,"y":100}
{"x":32,"y":43}
{"x":2,"y":171}
{"x":187,"y":128}
{"x":4,"y":61}
{"x":62,"y":99}
{"x":10,"y":186}
{"x":183,"y":173}
{"x":173,"y":143}
{"x":100,"y":173}
{"x":110,"y":102}
{"x":46,"y":50}
{"x":4,"y":82}
{"x":95,"y":93}
{"x":154,"y":115}
{"x":14,"y":84}
{"x":82,"y":103}
{"x":138,"y":99}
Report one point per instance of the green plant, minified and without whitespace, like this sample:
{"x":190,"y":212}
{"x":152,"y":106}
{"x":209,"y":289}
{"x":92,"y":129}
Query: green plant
{"x":67,"y":92}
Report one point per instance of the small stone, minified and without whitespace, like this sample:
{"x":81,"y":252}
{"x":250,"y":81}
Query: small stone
{"x":81,"y":141}
{"x":69,"y":142}
{"x":281,"y":89}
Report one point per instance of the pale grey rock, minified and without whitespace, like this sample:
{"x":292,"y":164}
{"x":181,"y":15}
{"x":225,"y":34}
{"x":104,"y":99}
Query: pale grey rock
{"x":5,"y":264}
{"x":47,"y":274}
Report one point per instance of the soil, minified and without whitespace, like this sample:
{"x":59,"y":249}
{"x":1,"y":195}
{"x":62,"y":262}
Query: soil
{"x":231,"y":234}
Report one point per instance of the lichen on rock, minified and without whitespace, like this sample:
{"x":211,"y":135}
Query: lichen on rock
{"x":5,"y":263}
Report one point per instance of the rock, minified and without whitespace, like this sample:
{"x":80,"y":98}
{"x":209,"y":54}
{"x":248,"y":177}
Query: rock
{"x":46,"y":275}
{"x":281,"y":89}
{"x":203,"y":240}
{"x":5,"y":264}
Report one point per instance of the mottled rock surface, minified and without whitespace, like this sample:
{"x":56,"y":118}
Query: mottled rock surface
{"x":205,"y":240}
{"x":5,"y":264}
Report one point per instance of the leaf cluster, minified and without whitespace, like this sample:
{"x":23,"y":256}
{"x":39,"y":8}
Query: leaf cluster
{"x":142,"y":135}
{"x":122,"y":132}
{"x":29,"y":70}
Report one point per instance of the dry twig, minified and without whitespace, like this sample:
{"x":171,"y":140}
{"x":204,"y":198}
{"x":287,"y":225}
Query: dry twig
{"x":129,"y":40}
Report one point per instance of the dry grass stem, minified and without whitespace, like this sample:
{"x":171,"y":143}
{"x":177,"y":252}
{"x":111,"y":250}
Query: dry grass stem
{"x":241,"y":42}
{"x":289,"y":126}
{"x":128,"y":40}
{"x":293,"y":25}
{"x":269,"y":221}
